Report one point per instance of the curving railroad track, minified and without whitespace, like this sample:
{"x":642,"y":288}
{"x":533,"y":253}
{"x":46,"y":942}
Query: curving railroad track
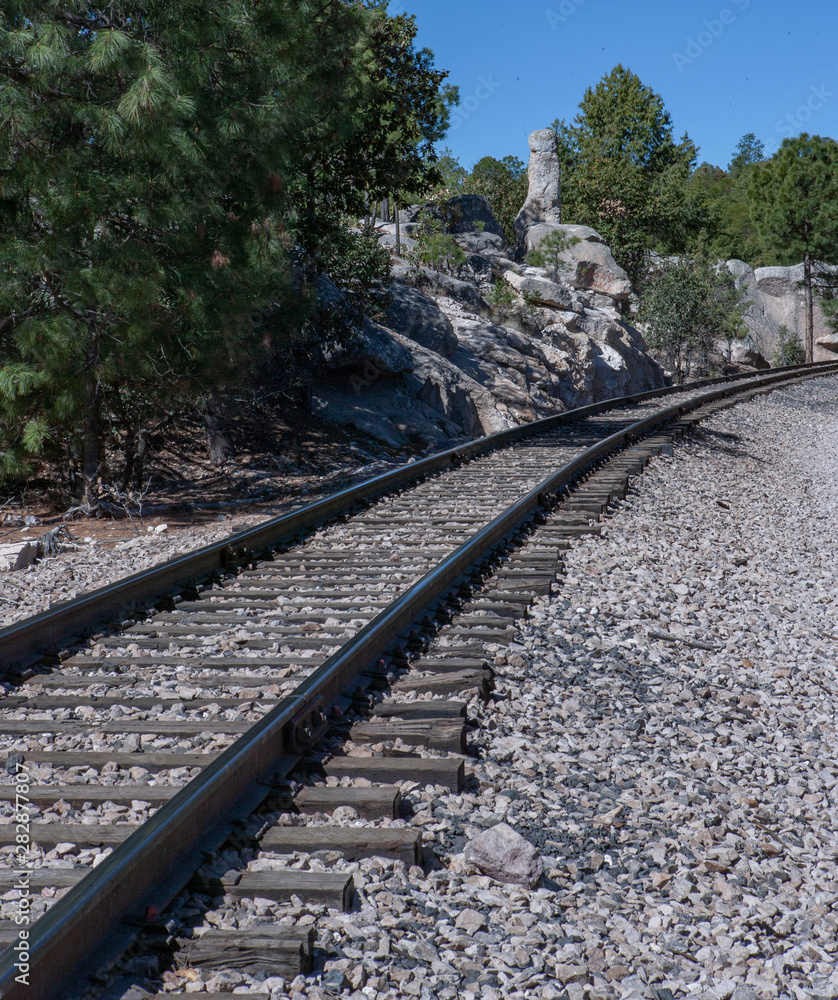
{"x":172,"y":758}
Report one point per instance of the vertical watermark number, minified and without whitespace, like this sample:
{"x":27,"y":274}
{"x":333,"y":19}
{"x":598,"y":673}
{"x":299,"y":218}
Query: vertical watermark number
{"x":23,"y":872}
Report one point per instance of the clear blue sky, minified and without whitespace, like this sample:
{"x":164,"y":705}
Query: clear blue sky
{"x":723,"y":67}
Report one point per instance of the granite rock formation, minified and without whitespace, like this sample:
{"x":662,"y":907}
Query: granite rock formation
{"x":777,"y":299}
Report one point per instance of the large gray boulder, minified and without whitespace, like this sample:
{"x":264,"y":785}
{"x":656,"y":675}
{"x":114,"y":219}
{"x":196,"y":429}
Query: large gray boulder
{"x":593,"y":268}
{"x":546,"y":292}
{"x":418,"y":317}
{"x":371,"y":348}
{"x":615,"y":360}
{"x":526,"y":378}
{"x":472,"y":213}
{"x":464,"y":213}
{"x":776,"y":298}
{"x":402,"y":394}
{"x":544,"y":197}
{"x":826,"y":347}
{"x":487,"y":244}
{"x":588,"y":262}
{"x":743,"y":353}
{"x":439,"y":283}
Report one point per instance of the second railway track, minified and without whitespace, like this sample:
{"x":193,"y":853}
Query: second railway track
{"x":146,"y":750}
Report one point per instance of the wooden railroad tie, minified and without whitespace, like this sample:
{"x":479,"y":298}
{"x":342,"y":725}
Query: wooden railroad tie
{"x":438,"y":734}
{"x":155,"y":761}
{"x":400,"y":843}
{"x":449,"y":771}
{"x":272,"y":949}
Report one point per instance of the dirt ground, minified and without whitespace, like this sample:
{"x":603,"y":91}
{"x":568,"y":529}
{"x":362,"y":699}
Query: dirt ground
{"x":278,"y":464}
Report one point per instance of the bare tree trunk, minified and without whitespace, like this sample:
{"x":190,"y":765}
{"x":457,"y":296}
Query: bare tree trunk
{"x":130,"y":452}
{"x":398,"y":229}
{"x":219,"y":445}
{"x":810,"y":308}
{"x":91,"y":436}
{"x":140,"y":456}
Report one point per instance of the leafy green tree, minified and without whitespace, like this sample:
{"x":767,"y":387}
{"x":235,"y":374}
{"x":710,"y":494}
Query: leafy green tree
{"x":721,"y":206}
{"x":623,"y":172}
{"x":501,"y":299}
{"x":452,"y":174}
{"x":504,"y":184}
{"x":169,"y":179}
{"x":402,"y":112}
{"x":435,"y":247}
{"x":794,"y":203}
{"x":686,"y":305}
{"x":359,"y":265}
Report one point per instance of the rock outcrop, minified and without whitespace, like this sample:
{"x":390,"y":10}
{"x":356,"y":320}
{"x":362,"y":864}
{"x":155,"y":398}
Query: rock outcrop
{"x":443,"y":369}
{"x":589,"y":262}
{"x":443,"y":365}
{"x":777,"y":299}
{"x":826,"y":347}
{"x":472,"y":213}
{"x":543,"y":206}
{"x":592,"y":267}
{"x":403,"y":394}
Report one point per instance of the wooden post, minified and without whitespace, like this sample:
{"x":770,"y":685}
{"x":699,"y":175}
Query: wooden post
{"x":810,"y":310}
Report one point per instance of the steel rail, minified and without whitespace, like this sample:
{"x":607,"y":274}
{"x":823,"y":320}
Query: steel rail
{"x":66,"y":622}
{"x":100,"y":916}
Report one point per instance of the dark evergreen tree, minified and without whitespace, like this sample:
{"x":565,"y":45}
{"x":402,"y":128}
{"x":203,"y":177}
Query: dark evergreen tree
{"x":504,"y":184}
{"x":749,"y":150}
{"x":168,"y":175}
{"x":623,"y":173}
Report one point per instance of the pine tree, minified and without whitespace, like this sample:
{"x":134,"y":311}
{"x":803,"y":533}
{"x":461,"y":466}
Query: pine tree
{"x":169,"y":172}
{"x":794,"y":203}
{"x":622,"y":171}
{"x":402,"y":112}
{"x":749,"y":150}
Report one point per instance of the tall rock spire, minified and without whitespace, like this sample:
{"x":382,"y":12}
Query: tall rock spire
{"x":544,"y":200}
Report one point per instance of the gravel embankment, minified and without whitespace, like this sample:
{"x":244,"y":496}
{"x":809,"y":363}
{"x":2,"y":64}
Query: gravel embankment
{"x":29,"y":591}
{"x":685,"y":798}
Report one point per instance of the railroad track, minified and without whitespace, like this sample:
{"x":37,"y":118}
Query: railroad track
{"x":308,"y":666}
